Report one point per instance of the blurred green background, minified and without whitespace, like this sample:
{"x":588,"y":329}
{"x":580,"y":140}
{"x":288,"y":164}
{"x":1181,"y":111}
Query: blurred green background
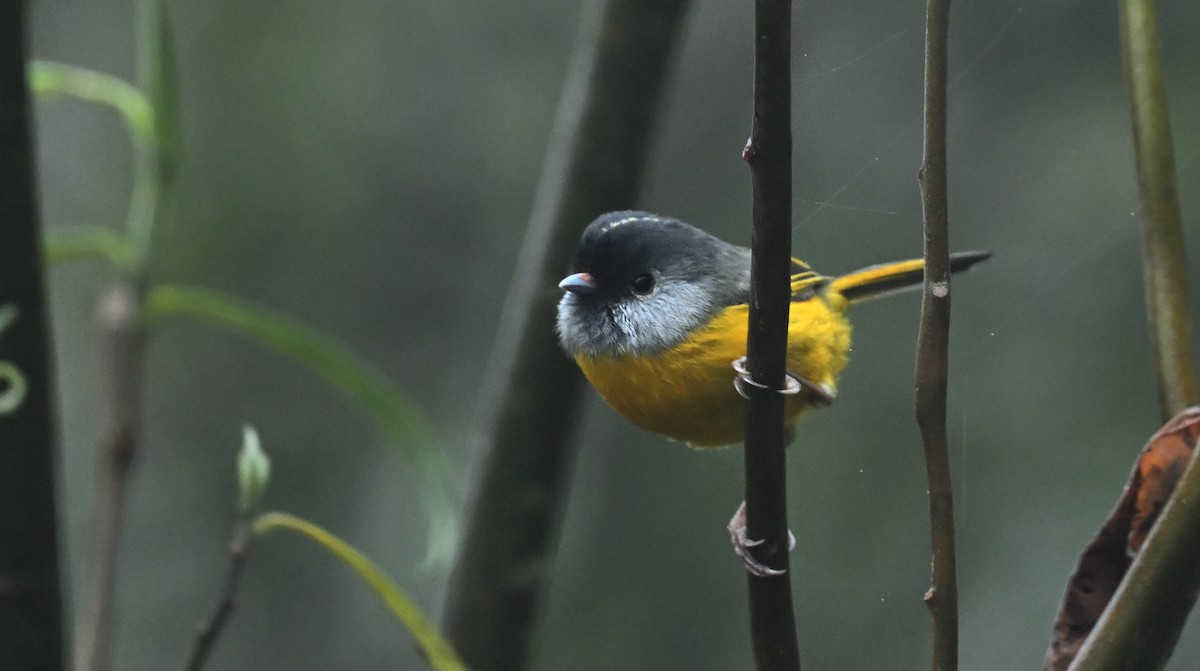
{"x":369,"y":167}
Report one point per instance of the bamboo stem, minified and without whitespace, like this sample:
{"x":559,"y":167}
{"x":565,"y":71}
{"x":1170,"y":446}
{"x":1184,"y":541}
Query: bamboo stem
{"x":1163,"y":252}
{"x":1141,"y":624}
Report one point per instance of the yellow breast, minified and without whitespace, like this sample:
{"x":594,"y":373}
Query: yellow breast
{"x":687,"y":392}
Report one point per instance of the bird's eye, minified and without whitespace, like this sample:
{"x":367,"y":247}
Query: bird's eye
{"x":642,"y":284}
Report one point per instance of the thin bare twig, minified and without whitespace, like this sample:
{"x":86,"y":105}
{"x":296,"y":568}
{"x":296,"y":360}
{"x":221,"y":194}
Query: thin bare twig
{"x":772,"y":620}
{"x":31,"y":635}
{"x":207,"y":633}
{"x":932,"y":366}
{"x":532,"y":393}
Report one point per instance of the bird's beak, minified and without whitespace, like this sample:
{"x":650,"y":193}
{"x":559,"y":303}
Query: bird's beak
{"x":579,"y":283}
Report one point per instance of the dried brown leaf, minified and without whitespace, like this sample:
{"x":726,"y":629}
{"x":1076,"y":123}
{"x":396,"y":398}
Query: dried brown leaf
{"x":1106,"y":558}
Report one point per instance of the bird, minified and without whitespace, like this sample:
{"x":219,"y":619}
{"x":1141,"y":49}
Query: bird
{"x":654,"y":311}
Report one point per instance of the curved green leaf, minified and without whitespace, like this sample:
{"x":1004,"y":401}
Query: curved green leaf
{"x":50,"y":78}
{"x":396,"y":417}
{"x":80,"y":242}
{"x":438,"y":651}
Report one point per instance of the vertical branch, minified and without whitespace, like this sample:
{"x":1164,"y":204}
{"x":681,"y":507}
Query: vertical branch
{"x":30,"y":601}
{"x":1163,"y":255}
{"x":934,"y":341}
{"x":125,"y":337}
{"x":532,"y":393}
{"x":124,"y":346}
{"x":154,"y":161}
{"x":1142,"y":622}
{"x":772,"y":621}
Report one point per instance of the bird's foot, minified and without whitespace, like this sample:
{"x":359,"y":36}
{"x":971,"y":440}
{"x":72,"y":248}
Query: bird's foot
{"x":820,"y":394}
{"x":742,"y":545}
{"x":743,"y":382}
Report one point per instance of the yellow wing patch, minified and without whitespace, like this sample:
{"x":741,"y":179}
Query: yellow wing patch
{"x":687,"y":392}
{"x":805,"y":281}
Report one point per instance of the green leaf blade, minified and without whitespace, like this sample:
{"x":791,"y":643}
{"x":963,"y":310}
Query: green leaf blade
{"x":48,"y":79}
{"x":80,"y":242}
{"x":396,"y":417}
{"x":439,"y":652}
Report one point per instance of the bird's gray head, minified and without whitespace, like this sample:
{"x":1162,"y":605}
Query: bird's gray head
{"x":640,"y":283}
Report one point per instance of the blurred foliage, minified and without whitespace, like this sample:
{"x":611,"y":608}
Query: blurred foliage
{"x":253,"y":476}
{"x":369,"y":170}
{"x":79,"y":242}
{"x":253,"y":471}
{"x":49,"y":79}
{"x":438,"y":652}
{"x":395,"y":415}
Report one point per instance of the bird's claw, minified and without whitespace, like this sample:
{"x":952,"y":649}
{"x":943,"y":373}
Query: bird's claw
{"x":819,"y":394}
{"x":742,"y":545}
